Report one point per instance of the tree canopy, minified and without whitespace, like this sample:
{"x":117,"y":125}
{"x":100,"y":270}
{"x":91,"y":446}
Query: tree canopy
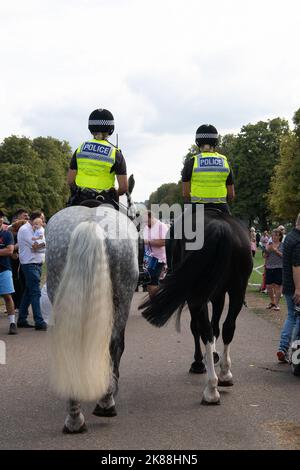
{"x":33,"y":173}
{"x":253,"y":155}
{"x":265,"y":160}
{"x":284,"y":194}
{"x":169,"y":193}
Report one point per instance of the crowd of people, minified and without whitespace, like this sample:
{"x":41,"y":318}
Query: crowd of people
{"x":281,"y":277}
{"x":22,"y":254}
{"x":271,"y":245}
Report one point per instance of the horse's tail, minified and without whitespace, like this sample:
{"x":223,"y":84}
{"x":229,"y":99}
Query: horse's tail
{"x":199,"y":275}
{"x":83,"y":318}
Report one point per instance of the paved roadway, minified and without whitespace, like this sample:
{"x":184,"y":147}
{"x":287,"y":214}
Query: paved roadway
{"x":159,"y":402}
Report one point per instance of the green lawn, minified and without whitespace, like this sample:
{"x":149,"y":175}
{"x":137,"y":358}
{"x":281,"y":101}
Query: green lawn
{"x":256,"y":277}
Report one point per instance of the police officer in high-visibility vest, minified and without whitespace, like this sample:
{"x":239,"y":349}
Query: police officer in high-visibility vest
{"x":206,"y":177}
{"x":97,"y":163}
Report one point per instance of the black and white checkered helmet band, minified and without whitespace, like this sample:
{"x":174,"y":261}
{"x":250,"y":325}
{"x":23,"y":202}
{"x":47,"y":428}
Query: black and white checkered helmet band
{"x":101,"y":122}
{"x":207,"y":136}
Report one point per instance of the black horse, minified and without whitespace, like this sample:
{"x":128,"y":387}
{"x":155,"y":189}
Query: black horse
{"x":223,"y":265}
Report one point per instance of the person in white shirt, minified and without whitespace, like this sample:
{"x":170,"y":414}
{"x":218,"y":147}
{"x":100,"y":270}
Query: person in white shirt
{"x":31,"y":260}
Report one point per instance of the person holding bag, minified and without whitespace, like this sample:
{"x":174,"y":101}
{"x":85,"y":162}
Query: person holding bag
{"x":154,"y":234}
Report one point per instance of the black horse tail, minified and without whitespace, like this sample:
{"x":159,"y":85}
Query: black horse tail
{"x":199,"y":275}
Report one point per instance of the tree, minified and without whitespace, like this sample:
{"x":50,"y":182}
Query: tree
{"x":228,"y":147}
{"x":20,"y":170}
{"x":19,"y":187}
{"x":33,"y":173}
{"x":254,"y":154}
{"x":169,"y":193}
{"x":284,"y":194}
{"x":55,"y":158}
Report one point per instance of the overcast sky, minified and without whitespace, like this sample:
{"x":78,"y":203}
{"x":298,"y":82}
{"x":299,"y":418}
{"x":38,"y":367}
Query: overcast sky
{"x":162,"y":67}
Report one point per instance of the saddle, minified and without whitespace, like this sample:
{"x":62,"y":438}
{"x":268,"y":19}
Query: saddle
{"x":213,"y":210}
{"x":93,"y":198}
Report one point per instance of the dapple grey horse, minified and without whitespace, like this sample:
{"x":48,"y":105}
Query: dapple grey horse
{"x":92,"y":272}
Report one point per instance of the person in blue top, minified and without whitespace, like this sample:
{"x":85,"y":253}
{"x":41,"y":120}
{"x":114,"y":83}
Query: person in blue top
{"x":6,"y":280}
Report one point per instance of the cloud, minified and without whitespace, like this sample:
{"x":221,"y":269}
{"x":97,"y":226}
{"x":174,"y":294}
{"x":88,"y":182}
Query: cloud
{"x":162,"y":68}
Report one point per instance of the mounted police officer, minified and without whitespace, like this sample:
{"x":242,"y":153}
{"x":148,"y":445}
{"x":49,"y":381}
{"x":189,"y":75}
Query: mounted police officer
{"x":206,"y":177}
{"x":97,"y":163}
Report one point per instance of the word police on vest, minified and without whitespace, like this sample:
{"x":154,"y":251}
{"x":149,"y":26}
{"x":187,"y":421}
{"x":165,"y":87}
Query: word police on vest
{"x":96,"y":148}
{"x":211,"y":161}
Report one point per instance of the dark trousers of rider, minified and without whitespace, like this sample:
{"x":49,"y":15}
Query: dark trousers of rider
{"x":79,"y":198}
{"x":189,"y":208}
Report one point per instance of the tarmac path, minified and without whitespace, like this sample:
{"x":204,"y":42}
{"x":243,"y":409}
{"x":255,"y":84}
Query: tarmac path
{"x":159,"y":401}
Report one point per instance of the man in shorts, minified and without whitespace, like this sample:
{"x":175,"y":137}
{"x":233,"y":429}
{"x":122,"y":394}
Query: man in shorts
{"x":6,"y":280}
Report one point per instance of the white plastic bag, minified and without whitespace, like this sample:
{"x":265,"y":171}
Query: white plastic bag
{"x":46,"y":307}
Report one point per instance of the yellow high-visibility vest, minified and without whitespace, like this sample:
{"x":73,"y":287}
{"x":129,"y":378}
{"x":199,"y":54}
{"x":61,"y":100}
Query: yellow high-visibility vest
{"x":95,"y":159}
{"x":208,"y":182}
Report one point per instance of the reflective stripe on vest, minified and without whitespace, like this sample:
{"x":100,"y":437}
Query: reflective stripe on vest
{"x":95,"y":159}
{"x":208,"y":182}
{"x":206,"y":200}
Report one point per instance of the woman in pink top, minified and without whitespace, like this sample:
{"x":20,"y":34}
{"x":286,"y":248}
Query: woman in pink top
{"x":154,"y":238}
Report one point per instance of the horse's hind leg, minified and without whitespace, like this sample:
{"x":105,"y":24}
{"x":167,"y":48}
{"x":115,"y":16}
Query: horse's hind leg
{"x":235,"y":305}
{"x":211,"y":395}
{"x":105,"y":407}
{"x":74,"y":422}
{"x":217,"y":305}
{"x":197,"y":367}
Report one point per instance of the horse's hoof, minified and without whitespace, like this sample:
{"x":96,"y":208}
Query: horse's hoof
{"x":197,"y":368}
{"x":105,"y":412}
{"x":208,"y":403}
{"x":66,"y":430}
{"x":225,"y":383}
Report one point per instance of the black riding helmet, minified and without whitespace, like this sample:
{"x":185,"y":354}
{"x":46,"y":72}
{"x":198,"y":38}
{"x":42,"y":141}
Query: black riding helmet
{"x":207,"y":134}
{"x":101,"y":120}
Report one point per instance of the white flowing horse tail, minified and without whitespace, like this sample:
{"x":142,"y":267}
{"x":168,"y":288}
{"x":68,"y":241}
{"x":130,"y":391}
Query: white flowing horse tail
{"x":83,"y":318}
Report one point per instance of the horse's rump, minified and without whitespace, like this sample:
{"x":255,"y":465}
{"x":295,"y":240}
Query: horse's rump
{"x":202,"y":273}
{"x":86,"y":252}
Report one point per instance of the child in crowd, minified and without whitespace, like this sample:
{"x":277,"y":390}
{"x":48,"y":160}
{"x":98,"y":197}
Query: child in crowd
{"x":39,"y":233}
